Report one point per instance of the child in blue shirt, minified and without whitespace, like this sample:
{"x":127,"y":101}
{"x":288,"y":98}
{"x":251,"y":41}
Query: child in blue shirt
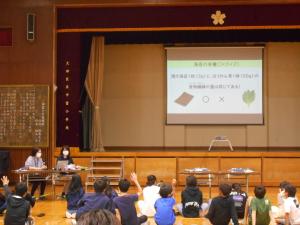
{"x":164,"y":206}
{"x":74,"y":194}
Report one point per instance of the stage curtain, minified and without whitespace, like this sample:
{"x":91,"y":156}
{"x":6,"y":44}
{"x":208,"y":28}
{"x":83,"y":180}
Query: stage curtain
{"x":93,"y":85}
{"x":87,"y":115}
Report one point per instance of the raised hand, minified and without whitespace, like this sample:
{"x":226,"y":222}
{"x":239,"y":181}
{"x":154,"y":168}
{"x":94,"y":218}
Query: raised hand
{"x":133,"y":177}
{"x":174,"y":181}
{"x":5,"y":180}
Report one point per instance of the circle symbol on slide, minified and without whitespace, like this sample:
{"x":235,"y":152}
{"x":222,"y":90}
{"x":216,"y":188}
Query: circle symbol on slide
{"x":205,"y":99}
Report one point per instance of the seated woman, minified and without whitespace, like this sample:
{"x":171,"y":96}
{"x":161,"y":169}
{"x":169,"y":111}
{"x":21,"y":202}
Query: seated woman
{"x":65,"y":155}
{"x":35,"y":162}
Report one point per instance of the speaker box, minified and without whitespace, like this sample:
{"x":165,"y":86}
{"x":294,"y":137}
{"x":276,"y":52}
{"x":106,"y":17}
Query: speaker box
{"x":30,"y":27}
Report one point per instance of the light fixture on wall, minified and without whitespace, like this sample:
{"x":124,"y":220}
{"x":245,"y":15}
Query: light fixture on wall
{"x":31,"y":22}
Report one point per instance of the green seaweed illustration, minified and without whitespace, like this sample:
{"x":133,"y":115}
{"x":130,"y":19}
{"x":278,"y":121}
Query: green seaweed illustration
{"x":248,"y":97}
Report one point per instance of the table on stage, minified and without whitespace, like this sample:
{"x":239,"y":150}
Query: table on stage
{"x":205,"y":176}
{"x":52,"y":175}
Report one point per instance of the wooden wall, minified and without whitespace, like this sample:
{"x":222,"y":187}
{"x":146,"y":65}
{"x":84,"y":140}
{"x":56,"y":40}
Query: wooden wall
{"x":178,"y":2}
{"x":272,"y":168}
{"x":28,"y":62}
{"x":134,"y":102}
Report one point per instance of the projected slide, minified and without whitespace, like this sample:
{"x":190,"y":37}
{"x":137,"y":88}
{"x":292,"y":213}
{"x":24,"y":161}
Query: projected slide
{"x":215,"y":85}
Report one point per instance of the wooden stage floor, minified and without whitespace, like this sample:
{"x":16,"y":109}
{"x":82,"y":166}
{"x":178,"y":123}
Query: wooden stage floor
{"x":55,"y":209}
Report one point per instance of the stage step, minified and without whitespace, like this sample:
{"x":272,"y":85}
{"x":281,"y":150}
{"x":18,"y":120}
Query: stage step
{"x":107,"y":160}
{"x":106,"y":168}
{"x":104,"y":175}
{"x":112,"y":183}
{"x":111,"y":168}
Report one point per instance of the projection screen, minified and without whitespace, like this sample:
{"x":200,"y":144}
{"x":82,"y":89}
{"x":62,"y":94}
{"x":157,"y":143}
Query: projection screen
{"x":215,"y":85}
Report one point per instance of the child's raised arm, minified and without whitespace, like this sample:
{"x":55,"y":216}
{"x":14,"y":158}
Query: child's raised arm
{"x":134,"y":179}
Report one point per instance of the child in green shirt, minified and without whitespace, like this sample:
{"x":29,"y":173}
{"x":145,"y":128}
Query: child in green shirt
{"x":260,"y":207}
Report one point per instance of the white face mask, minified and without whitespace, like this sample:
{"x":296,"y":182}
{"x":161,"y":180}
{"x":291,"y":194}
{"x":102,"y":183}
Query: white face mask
{"x":65,"y":152}
{"x":39,"y":155}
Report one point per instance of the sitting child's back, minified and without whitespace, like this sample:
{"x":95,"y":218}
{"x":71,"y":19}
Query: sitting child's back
{"x":222,"y":208}
{"x":97,"y":200}
{"x":164,"y":206}
{"x":18,"y":209}
{"x":240,"y":198}
{"x":150,"y":194}
{"x":191,"y":198}
{"x":74,"y":194}
{"x":260,"y":207}
{"x":125,"y":203}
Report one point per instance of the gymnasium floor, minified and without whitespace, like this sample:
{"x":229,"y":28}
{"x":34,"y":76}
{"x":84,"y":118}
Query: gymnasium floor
{"x":54,"y":210}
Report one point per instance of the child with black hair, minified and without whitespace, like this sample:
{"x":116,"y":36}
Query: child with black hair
{"x":278,"y":211}
{"x":125,"y":203}
{"x":18,"y":209}
{"x":150,"y":195}
{"x":109,"y":191}
{"x":240,"y":198}
{"x":99,"y":217}
{"x":164,"y":206}
{"x":281,"y":194}
{"x":191,"y":199}
{"x":291,"y":206}
{"x":260,"y":207}
{"x":3,"y":202}
{"x":222,"y":207}
{"x":74,"y":194}
{"x":97,"y":200}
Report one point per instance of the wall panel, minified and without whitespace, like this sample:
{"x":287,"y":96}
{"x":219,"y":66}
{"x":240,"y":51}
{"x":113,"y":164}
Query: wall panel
{"x":133,"y":90}
{"x":276,"y":170}
{"x":163,"y":168}
{"x":284,"y":94}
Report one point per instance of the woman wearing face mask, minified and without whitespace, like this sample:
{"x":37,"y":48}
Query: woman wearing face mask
{"x":65,"y":155}
{"x":35,"y":162}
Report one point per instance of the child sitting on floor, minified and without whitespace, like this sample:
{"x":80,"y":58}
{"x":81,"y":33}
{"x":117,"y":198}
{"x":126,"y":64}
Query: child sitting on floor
{"x":18,"y":209}
{"x":74,"y":193}
{"x":125,"y":203}
{"x":222,"y":208}
{"x":239,"y":198}
{"x":260,"y":207}
{"x":164,"y":206}
{"x":291,"y":206}
{"x":278,"y":211}
{"x":150,"y":194}
{"x":109,"y":191}
{"x":191,"y":199}
{"x":97,"y":200}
